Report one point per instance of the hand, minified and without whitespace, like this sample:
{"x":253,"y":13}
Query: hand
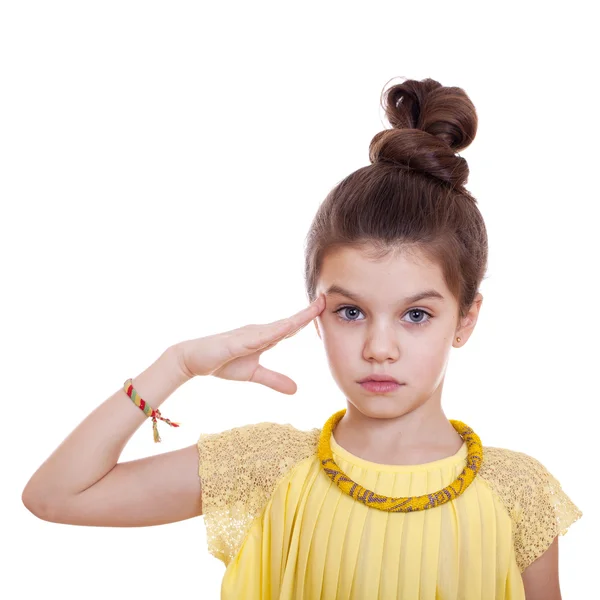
{"x":235,"y":354}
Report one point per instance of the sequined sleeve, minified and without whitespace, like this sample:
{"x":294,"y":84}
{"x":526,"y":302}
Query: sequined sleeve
{"x":534,"y":498}
{"x":239,"y":469}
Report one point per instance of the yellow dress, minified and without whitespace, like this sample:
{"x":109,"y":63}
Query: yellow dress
{"x":285,"y":531}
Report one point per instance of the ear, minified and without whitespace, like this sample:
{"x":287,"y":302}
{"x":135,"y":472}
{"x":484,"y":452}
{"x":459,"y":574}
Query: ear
{"x":470,"y":320}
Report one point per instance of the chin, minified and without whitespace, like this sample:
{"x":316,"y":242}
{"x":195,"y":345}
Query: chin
{"x":380,"y":407}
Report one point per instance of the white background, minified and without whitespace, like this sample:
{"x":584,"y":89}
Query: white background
{"x":160,"y":166}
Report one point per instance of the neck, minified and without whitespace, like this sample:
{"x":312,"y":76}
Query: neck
{"x":421,"y":429}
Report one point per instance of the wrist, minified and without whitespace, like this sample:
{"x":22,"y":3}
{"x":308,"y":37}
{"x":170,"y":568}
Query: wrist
{"x":176,"y":355}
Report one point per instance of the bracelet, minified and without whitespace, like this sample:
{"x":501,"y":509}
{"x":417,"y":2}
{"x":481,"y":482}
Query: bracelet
{"x":148,"y":410}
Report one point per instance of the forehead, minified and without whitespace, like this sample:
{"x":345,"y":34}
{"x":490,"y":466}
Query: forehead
{"x":400,"y":271}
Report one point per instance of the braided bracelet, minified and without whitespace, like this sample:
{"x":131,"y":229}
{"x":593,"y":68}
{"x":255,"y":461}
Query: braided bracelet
{"x":148,"y":410}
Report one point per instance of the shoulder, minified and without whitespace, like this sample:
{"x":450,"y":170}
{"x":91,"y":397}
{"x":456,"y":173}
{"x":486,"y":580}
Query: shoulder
{"x":538,"y":506}
{"x":249,"y":460}
{"x":239,"y":469}
{"x":260,"y":441}
{"x":518,"y":475}
{"x":511,"y":468}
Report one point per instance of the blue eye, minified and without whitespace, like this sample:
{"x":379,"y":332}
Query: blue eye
{"x":412,"y":310}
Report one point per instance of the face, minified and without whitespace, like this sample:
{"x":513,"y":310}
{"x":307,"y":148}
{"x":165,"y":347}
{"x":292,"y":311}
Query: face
{"x":382,"y":332}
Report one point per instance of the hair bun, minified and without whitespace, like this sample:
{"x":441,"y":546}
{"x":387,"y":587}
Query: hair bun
{"x":430,"y":124}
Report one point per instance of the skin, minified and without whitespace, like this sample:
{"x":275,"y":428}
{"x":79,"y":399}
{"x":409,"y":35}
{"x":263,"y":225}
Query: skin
{"x":406,"y":426}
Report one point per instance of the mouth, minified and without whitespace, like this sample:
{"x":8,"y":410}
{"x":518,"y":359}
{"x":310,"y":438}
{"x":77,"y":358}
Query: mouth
{"x":379,"y":379}
{"x":380,"y":387}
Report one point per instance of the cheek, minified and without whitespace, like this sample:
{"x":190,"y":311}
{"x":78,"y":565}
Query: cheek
{"x":428,"y":359}
{"x":340,"y":338}
{"x":330,"y":330}
{"x":336,"y":345}
{"x":336,"y":341}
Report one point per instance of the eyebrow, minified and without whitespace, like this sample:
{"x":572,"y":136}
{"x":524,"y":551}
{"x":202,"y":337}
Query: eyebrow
{"x":337,"y":289}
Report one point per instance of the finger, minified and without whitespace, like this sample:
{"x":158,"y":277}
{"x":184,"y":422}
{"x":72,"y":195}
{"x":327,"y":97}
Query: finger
{"x":270,"y":345}
{"x":306,"y":315}
{"x":258,"y":336}
{"x":292,"y":333}
{"x":267,"y":346}
{"x":276,"y":341}
{"x":274,"y":380}
{"x":295,"y":331}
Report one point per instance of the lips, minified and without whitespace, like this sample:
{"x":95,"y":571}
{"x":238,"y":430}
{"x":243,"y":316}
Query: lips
{"x":379,"y":378}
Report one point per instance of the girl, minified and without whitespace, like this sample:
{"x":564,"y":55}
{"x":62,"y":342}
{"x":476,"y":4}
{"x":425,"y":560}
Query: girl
{"x":389,"y":498}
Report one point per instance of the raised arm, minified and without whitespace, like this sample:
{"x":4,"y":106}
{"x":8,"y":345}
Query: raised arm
{"x":81,"y":483}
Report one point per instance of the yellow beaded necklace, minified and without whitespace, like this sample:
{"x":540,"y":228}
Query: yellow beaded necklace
{"x":412,"y":503}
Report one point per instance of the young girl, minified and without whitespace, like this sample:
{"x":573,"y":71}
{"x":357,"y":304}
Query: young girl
{"x":388,"y":498}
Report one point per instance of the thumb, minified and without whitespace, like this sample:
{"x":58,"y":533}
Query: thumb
{"x":276,"y":381}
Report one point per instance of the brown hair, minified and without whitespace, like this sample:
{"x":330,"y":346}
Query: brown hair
{"x":412,"y":197}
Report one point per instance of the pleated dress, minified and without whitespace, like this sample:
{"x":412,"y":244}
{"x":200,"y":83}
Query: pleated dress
{"x":284,"y":530}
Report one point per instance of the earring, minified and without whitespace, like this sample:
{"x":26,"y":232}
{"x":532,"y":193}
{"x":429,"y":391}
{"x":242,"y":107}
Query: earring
{"x":458,"y":339}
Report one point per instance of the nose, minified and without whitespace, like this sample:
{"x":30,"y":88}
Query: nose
{"x":382,"y":345}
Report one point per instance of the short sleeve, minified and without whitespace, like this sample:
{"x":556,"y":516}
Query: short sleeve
{"x":542,"y":511}
{"x":538,"y":506}
{"x":238,"y":470}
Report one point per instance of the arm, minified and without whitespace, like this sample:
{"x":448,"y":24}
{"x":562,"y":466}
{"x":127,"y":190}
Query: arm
{"x":91,"y":451}
{"x":81,"y":482}
{"x":540,"y":578}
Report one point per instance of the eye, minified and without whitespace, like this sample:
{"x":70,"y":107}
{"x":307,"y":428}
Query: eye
{"x":418,"y":311}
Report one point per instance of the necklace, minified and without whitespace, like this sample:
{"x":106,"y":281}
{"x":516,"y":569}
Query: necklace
{"x":411,"y":503}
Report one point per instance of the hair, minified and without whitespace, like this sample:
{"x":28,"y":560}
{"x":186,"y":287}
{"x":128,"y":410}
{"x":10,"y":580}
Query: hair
{"x":411,"y":198}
